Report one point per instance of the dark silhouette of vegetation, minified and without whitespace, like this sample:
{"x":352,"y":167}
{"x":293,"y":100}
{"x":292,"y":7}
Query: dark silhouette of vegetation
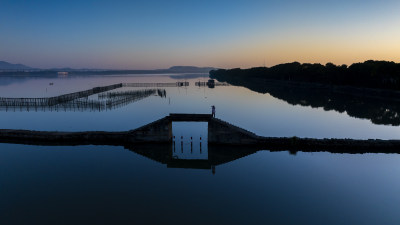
{"x":371,"y":74}
{"x":378,"y":105}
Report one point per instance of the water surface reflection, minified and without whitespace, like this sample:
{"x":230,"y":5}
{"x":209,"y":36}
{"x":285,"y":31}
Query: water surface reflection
{"x":103,"y":184}
{"x":288,"y":113}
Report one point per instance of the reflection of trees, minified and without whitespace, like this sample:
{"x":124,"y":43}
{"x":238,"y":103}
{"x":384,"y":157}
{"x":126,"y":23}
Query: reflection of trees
{"x":381,"y":107}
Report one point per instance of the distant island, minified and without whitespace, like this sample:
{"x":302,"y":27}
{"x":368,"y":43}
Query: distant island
{"x":370,"y":74}
{"x":9,"y":69}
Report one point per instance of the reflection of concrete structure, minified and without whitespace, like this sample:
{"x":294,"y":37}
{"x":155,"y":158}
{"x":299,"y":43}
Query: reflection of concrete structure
{"x":217,"y":155}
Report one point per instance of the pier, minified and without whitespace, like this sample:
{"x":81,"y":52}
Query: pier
{"x":79,"y":101}
{"x":105,"y":101}
{"x":210,"y":84}
{"x":174,"y":84}
{"x":51,"y":101}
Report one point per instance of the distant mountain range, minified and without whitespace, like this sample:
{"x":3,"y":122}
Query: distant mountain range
{"x":9,"y":66}
{"x":20,"y":69}
{"x":190,"y":69}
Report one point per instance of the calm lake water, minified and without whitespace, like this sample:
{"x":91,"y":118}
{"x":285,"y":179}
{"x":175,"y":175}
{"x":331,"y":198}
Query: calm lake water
{"x":184,"y":185}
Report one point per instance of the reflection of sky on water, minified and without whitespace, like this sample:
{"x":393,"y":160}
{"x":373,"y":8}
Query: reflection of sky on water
{"x":107,"y":184}
{"x":259,"y":113}
{"x":308,"y":188}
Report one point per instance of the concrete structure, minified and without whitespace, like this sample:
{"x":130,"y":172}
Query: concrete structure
{"x":219,"y":133}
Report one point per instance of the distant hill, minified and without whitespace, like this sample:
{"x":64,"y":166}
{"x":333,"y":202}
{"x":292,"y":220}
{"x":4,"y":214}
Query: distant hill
{"x":8,"y":69}
{"x":5,"y":66}
{"x":190,"y":69}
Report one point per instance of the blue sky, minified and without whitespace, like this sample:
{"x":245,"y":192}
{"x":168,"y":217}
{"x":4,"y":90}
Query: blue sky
{"x":159,"y":34}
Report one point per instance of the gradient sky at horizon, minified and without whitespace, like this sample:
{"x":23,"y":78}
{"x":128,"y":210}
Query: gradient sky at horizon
{"x":158,"y":34}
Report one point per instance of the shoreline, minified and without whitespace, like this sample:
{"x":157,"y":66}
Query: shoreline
{"x":128,"y":138}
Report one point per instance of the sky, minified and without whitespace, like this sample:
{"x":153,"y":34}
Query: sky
{"x":155,"y":34}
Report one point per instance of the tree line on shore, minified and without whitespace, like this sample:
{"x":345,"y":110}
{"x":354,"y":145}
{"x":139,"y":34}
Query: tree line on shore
{"x":371,"y":74}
